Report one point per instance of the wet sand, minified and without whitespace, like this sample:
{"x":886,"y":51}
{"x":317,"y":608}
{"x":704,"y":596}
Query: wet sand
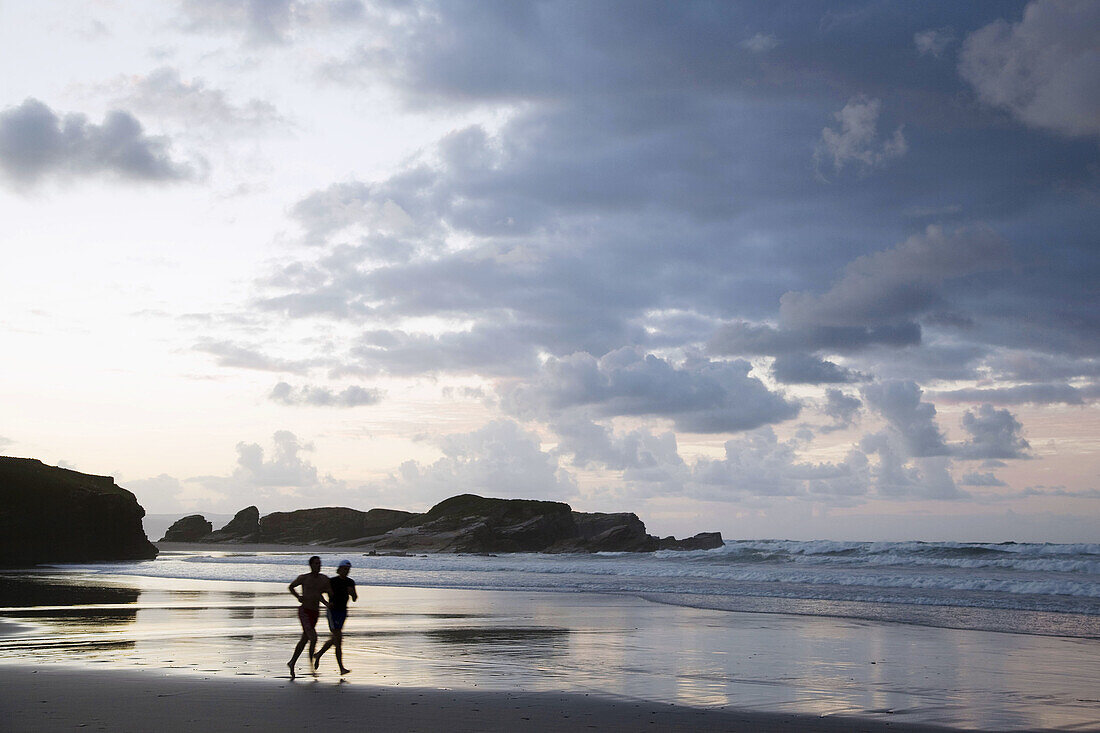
{"x":480,"y":659}
{"x":58,"y":698}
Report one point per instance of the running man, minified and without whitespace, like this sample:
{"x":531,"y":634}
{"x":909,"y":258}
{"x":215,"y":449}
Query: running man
{"x":313,"y":584}
{"x":341,"y":587}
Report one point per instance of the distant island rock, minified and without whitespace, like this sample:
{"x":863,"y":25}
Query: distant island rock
{"x":191,"y":528}
{"x":461,"y":524}
{"x":50,"y":514}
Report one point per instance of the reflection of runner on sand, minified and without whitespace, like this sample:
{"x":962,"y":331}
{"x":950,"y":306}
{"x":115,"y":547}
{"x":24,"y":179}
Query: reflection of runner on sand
{"x":340,"y":588}
{"x":313,"y":584}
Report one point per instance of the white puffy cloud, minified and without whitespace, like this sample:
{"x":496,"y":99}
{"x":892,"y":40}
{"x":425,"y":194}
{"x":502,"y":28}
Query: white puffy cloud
{"x":933,"y":41}
{"x":760,"y":43}
{"x":993,"y":434}
{"x":163,"y":93}
{"x":857,"y":142}
{"x":758,"y":464}
{"x":913,"y":421}
{"x":501,"y":459}
{"x":1045,"y":69}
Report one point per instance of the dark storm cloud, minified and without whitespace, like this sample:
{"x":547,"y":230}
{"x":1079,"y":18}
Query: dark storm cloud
{"x":353,"y":396}
{"x":651,"y":190}
{"x":36,"y":143}
{"x":898,"y":284}
{"x":700,"y":395}
{"x":806,"y":369}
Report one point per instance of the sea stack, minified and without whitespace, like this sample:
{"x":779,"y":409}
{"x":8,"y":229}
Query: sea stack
{"x":51,"y":514}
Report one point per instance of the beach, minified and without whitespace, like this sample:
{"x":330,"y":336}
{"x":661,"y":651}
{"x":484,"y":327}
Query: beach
{"x":103,"y":649}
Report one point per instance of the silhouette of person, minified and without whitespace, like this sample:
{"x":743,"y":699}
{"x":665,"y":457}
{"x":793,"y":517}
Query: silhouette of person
{"x":341,"y":588}
{"x":313,"y":584}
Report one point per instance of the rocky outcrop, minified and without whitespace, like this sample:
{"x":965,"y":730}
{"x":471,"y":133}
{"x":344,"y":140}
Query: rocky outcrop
{"x":328,"y":525}
{"x":619,"y":532}
{"x":50,"y":514}
{"x":701,"y":541}
{"x":464,"y":523}
{"x":243,"y":527}
{"x":191,"y":528}
{"x":469,"y":523}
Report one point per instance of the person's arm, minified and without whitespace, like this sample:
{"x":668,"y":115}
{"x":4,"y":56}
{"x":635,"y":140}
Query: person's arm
{"x":297,"y":582}
{"x":326,"y":590}
{"x":351,"y":590}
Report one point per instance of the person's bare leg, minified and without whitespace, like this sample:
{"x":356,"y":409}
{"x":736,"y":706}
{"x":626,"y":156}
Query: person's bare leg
{"x":338,"y":638}
{"x":297,"y":653}
{"x":317,"y":656}
{"x":312,"y":646}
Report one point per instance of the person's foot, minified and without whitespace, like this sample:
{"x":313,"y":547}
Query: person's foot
{"x":316,"y":660}
{"x":344,"y":670}
{"x":290,"y":665}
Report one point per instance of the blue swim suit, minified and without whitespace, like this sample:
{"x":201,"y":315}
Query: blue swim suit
{"x":336,"y":618}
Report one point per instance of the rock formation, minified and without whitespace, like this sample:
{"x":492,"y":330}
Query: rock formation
{"x":328,"y":525}
{"x":191,"y":528}
{"x":50,"y":514}
{"x":465,"y":523}
{"x":243,"y":527}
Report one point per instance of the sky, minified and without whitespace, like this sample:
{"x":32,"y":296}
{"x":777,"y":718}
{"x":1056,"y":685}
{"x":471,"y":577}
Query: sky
{"x":787,"y":269}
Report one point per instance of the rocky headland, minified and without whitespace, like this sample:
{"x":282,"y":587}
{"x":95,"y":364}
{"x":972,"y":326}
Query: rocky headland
{"x":461,"y":524}
{"x":51,"y":514}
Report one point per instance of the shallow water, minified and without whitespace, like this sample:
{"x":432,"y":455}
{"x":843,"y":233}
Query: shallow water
{"x":546,"y":641}
{"x":1023,"y":588}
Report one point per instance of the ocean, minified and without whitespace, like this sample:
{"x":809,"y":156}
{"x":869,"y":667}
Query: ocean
{"x":1025,"y":588}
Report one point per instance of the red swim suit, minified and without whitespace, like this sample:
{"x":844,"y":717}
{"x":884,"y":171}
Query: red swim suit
{"x":308,"y":617}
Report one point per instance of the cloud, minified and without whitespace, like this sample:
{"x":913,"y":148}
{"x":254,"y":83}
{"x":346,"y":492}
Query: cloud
{"x":500,"y":459}
{"x":933,"y":41}
{"x":636,"y":452}
{"x":699,"y":395}
{"x":5,"y":443}
{"x":981,"y":479}
{"x":914,"y":421}
{"x":842,"y":408}
{"x":759,"y":464}
{"x":764,"y":340}
{"x":243,"y":357}
{"x":797,"y":368}
{"x":993,"y":434}
{"x":1045,"y":69}
{"x":269,"y":21}
{"x":163,"y":93}
{"x":1023,"y":394}
{"x":896,"y":285}
{"x":857,"y":141}
{"x":37,"y":143}
{"x":760,"y":43}
{"x":353,"y":396}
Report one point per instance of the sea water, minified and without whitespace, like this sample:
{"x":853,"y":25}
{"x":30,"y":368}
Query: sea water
{"x":1045,"y":589}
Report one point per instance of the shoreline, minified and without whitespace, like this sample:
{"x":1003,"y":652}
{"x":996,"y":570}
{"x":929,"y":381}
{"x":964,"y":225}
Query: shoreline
{"x":49,"y":698}
{"x":495,"y":642}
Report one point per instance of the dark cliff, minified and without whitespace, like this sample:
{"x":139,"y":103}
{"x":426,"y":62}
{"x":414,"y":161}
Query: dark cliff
{"x":50,"y":514}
